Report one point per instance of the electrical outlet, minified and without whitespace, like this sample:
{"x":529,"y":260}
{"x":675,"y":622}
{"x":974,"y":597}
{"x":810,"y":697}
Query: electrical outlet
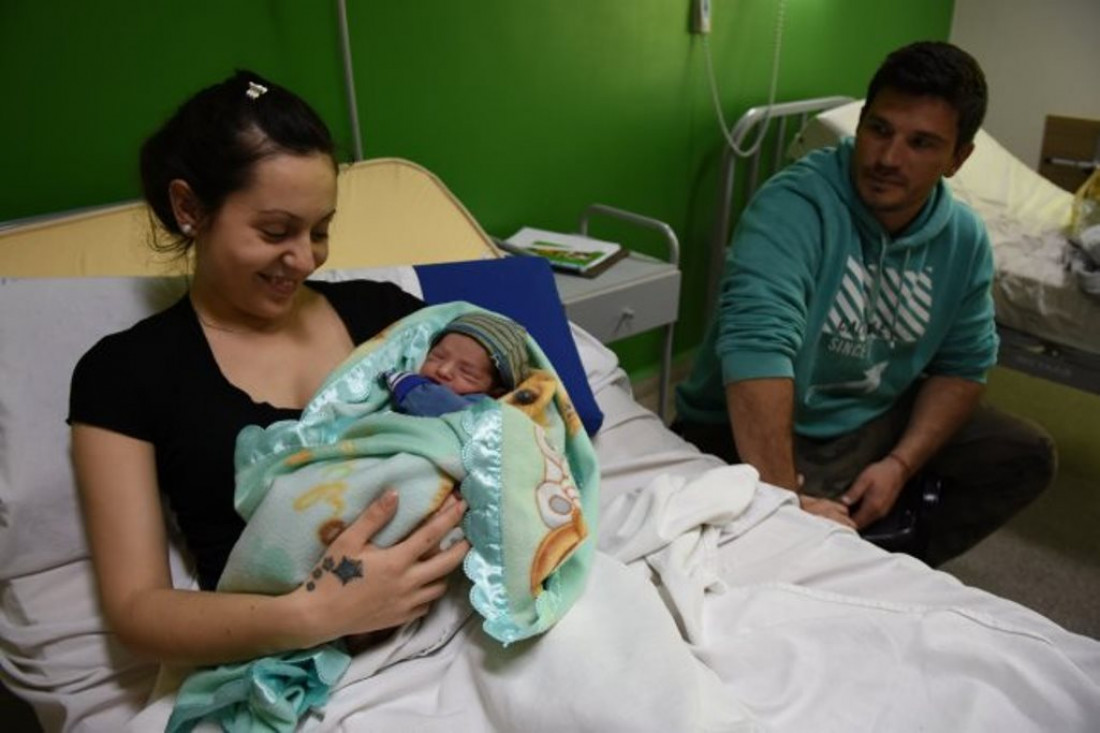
{"x":700,"y":16}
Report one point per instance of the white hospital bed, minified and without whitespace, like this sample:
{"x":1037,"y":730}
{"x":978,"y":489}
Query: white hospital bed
{"x":794,"y":623}
{"x":1048,"y":324}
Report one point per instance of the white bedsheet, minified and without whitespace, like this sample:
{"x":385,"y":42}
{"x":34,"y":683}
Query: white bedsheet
{"x":1035,"y":291}
{"x":715,"y":605}
{"x":792,"y":623}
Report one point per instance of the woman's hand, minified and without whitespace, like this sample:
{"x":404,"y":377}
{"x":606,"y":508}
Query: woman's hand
{"x":358,"y":588}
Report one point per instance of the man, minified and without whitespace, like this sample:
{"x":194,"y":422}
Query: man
{"x":855,"y":323}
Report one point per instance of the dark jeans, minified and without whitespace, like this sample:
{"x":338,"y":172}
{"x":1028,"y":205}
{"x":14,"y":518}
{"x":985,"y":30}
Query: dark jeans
{"x":993,"y":467}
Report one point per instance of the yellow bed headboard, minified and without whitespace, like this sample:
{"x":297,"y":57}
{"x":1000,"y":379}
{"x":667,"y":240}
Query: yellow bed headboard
{"x":389,"y":212}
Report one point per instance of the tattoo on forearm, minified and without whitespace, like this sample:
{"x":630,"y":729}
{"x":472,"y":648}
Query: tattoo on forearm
{"x":346,"y":570}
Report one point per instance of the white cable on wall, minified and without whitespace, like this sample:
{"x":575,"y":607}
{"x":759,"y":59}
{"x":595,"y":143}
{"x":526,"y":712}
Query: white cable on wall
{"x":763,"y":130}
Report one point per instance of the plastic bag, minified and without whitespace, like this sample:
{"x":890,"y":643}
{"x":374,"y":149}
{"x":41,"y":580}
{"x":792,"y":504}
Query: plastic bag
{"x":1084,"y":226}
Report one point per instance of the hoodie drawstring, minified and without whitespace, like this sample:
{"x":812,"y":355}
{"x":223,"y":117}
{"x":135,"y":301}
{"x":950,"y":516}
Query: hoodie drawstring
{"x":902,"y":284}
{"x":876,"y":287}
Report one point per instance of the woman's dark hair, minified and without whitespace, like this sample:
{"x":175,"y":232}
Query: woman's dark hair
{"x":940,"y":70}
{"x":214,"y":139}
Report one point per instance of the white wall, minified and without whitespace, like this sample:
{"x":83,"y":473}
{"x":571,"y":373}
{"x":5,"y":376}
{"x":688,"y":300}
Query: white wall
{"x":1040,"y":57}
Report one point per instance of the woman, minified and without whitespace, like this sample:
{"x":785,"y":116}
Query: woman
{"x":243,"y":176}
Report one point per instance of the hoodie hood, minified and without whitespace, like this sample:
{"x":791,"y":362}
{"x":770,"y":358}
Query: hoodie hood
{"x":837,"y":171}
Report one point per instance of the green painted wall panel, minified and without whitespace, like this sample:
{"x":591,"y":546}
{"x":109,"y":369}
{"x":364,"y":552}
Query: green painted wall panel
{"x":528,"y":109}
{"x":84,"y":83}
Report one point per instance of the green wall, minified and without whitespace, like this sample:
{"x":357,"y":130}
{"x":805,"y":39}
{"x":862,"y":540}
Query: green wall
{"x":528,"y":109}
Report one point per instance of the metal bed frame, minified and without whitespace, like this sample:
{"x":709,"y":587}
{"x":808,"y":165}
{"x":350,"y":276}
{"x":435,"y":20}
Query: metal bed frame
{"x":1048,"y":360}
{"x":769,"y":154}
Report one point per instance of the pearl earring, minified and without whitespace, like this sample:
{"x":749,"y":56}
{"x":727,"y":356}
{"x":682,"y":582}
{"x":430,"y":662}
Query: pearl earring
{"x":187,"y":229}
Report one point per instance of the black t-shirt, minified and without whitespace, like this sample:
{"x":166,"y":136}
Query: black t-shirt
{"x":158,"y":382}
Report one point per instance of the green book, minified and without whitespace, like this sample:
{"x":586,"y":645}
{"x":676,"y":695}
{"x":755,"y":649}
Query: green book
{"x":572,"y":253}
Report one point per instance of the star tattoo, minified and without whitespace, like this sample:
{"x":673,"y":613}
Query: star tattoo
{"x":348,"y":570}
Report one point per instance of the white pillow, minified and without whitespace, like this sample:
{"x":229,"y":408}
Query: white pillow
{"x":45,"y":327}
{"x":403,"y":277}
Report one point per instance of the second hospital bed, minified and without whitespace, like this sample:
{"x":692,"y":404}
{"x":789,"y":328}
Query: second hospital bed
{"x":714,"y":604}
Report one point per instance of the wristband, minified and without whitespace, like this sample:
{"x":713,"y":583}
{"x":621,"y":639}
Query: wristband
{"x":902,"y":462}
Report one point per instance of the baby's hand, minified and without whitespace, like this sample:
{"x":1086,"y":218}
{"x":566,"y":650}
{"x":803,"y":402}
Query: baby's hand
{"x":399,"y":383}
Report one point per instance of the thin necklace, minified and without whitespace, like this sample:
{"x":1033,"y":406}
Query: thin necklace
{"x":226,"y":329}
{"x":215,"y":326}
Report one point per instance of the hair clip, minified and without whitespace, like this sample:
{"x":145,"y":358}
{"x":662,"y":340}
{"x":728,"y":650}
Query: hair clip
{"x":255,"y":91}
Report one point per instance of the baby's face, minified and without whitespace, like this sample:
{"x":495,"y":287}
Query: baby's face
{"x":461,"y":363}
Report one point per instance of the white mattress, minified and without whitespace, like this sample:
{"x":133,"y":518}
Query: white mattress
{"x":1026,"y":215}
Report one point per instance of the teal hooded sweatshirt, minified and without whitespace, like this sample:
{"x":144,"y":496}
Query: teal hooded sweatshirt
{"x":816,"y":290}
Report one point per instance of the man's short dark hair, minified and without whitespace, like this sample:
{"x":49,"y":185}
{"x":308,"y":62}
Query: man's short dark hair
{"x":940,"y":70}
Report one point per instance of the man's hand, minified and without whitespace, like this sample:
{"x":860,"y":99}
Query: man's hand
{"x":827,"y":508}
{"x":875,"y":491}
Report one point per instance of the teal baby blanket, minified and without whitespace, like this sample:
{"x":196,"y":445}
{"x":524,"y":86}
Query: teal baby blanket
{"x":523,"y":463}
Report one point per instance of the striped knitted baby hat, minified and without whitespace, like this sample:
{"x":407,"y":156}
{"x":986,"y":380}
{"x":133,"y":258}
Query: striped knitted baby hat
{"x":503,"y":338}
